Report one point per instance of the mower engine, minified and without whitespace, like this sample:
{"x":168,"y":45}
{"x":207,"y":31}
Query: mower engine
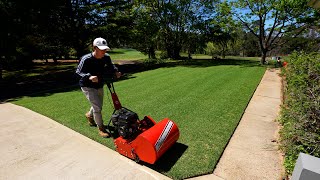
{"x":126,"y":122}
{"x":144,"y":139}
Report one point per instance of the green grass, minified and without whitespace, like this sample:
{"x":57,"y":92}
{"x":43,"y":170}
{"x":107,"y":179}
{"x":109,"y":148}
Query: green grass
{"x":203,"y":56}
{"x":37,"y":71}
{"x":126,"y":54}
{"x":205,"y":100}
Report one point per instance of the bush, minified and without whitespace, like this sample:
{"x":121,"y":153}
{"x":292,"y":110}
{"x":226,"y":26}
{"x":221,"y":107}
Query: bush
{"x":212,"y":50}
{"x":300,"y":113}
{"x":164,"y":55}
{"x":151,"y":62}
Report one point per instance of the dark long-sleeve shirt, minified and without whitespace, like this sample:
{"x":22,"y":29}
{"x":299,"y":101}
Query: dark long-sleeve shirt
{"x":90,"y":66}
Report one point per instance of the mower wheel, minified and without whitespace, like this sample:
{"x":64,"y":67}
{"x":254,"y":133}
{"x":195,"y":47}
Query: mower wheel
{"x":137,"y":159}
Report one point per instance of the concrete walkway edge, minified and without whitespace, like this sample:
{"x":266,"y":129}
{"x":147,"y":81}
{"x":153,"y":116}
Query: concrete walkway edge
{"x":36,"y":147}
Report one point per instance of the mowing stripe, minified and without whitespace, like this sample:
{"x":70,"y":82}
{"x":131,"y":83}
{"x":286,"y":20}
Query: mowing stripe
{"x":164,"y":134}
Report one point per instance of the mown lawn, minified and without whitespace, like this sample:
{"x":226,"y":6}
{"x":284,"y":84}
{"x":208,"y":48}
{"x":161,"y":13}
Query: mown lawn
{"x":126,"y":54}
{"x":206,"y":100}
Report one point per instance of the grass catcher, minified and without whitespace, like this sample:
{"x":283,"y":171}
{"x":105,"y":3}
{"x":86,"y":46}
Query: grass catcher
{"x":140,"y":140}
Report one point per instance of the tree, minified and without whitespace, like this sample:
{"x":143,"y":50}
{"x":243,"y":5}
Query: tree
{"x":119,"y":22}
{"x":270,"y":20}
{"x":307,"y":42}
{"x":145,"y":32}
{"x":222,"y":28}
{"x":80,"y":18}
{"x":212,"y":50}
{"x":175,"y":20}
{"x":27,"y":24}
{"x":250,"y":46}
{"x":167,"y":14}
{"x":87,"y":19}
{"x":222,"y":40}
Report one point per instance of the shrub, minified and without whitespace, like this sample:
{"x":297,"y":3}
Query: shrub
{"x":153,"y":62}
{"x":212,"y":50}
{"x":164,"y":55}
{"x":300,"y":113}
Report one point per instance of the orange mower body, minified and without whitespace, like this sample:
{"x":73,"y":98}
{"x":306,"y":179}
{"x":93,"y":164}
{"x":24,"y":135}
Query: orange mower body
{"x":151,"y":144}
{"x":144,"y":139}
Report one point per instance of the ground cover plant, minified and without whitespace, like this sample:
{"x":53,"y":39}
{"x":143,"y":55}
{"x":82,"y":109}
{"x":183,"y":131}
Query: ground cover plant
{"x":300,"y":114}
{"x":205,"y":98}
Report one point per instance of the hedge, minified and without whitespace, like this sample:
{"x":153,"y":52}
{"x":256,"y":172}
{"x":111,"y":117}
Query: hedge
{"x":300,"y":113}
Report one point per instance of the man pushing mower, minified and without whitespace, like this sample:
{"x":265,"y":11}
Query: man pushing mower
{"x":91,"y":69}
{"x":145,"y":139}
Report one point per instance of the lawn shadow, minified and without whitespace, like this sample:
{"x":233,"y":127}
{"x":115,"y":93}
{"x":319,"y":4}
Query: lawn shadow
{"x":52,"y":78}
{"x":135,"y":67}
{"x":217,"y":62}
{"x":30,"y":91}
{"x":169,"y":158}
{"x":55,"y":79}
{"x":123,"y":51}
{"x":46,"y":83}
{"x":115,"y":52}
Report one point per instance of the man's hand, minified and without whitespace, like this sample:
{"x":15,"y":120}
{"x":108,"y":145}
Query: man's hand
{"x":118,"y":74}
{"x":94,"y":79}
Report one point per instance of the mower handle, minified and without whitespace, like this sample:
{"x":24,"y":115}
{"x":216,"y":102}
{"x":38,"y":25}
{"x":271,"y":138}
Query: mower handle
{"x":109,"y":82}
{"x":110,"y":87}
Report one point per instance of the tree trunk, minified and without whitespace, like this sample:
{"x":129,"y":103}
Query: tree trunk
{"x":1,"y":68}
{"x":189,"y":55}
{"x":223,"y":55}
{"x":1,"y":74}
{"x":151,"y":53}
{"x":176,"y":54}
{"x":263,"y":57}
{"x":169,"y":51}
{"x":80,"y":50}
{"x":173,"y":50}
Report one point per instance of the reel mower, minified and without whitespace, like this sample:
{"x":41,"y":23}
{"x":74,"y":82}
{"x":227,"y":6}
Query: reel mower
{"x":140,"y":140}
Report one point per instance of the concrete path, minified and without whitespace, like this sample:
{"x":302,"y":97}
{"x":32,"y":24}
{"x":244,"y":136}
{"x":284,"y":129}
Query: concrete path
{"x":252,"y":152}
{"x":36,"y":147}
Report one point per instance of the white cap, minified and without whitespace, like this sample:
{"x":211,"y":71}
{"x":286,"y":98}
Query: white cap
{"x":101,"y":44}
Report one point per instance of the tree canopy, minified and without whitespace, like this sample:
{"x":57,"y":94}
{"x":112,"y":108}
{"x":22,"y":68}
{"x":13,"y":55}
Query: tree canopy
{"x":56,"y":29}
{"x":270,"y":21}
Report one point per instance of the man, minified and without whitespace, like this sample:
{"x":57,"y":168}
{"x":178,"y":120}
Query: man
{"x":91,"y":69}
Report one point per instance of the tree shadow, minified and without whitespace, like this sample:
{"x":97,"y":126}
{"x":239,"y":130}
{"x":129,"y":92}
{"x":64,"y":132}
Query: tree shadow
{"x":135,"y":67}
{"x":115,"y":52}
{"x":54,"y":79}
{"x":123,"y":51}
{"x":40,"y":85}
{"x":217,"y":62}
